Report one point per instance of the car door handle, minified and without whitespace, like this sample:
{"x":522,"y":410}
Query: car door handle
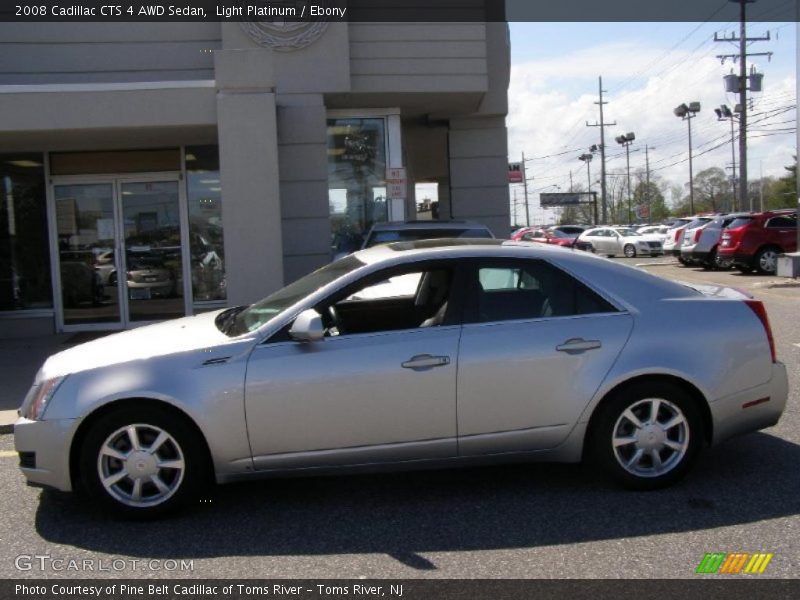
{"x":578,"y":345}
{"x":426,"y":361}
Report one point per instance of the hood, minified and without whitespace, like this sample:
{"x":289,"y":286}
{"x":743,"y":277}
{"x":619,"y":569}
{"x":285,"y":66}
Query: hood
{"x":161,"y":339}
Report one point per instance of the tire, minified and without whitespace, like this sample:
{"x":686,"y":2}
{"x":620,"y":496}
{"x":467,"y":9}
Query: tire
{"x":711,"y":262}
{"x":766,"y":260}
{"x":635,"y":464}
{"x":629,"y":250}
{"x":184,"y":466}
{"x":683,"y":261}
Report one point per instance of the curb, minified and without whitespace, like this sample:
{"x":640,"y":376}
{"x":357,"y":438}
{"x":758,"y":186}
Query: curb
{"x":4,"y":429}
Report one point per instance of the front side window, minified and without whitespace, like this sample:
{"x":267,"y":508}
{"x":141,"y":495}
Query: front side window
{"x":507,"y":290}
{"x":409,"y":298}
{"x":780,"y":222}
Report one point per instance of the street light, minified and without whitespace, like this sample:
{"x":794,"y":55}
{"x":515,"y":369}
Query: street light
{"x":587,"y":158}
{"x":687,"y":113}
{"x":626,"y":140}
{"x":725,"y":114}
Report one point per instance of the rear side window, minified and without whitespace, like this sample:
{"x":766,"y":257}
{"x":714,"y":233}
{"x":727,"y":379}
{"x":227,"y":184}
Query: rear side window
{"x":512,"y":289}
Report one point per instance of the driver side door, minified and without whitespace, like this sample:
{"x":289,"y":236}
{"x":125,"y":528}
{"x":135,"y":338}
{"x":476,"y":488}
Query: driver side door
{"x":380,"y":387}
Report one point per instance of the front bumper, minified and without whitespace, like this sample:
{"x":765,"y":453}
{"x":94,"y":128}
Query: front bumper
{"x":732,"y":417}
{"x":49,"y":442}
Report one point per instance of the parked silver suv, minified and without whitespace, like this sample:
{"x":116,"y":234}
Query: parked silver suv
{"x":704,"y":251}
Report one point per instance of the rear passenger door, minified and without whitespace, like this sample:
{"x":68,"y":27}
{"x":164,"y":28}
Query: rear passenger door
{"x":535,"y":346}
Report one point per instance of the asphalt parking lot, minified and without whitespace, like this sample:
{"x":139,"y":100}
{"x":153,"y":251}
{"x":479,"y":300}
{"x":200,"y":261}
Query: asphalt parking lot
{"x":522,"y":521}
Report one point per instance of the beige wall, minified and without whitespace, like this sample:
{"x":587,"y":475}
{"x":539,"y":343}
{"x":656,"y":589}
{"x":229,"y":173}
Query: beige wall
{"x":35,"y":53}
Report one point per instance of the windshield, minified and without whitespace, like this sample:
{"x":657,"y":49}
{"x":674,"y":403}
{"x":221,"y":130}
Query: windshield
{"x":236,"y":321}
{"x":679,"y":223}
{"x":412,"y":235}
{"x":697,"y":223}
{"x":627,"y":232}
{"x":570,"y":231}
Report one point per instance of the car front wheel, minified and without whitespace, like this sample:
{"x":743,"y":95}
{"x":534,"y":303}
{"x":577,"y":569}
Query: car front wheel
{"x":142,"y":463}
{"x":630,"y":251}
{"x":647,"y":436}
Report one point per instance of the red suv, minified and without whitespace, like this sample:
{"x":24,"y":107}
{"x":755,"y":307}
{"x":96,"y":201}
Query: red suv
{"x":754,"y":241}
{"x":545,"y":236}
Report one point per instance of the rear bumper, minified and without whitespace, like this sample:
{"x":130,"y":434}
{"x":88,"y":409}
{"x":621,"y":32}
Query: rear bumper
{"x":47,"y":444}
{"x":751,"y":410}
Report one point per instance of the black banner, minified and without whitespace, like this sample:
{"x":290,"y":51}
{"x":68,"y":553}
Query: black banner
{"x":396,"y":10}
{"x":702,"y":588}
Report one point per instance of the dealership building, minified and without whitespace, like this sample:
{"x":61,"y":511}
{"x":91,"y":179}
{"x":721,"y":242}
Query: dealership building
{"x":154,"y":170}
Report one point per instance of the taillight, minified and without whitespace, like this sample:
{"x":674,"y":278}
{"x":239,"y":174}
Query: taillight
{"x":758,"y":307}
{"x":697,"y":235}
{"x":677,"y":233}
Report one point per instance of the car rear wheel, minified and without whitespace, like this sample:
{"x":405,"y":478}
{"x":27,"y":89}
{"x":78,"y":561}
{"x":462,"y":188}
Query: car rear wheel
{"x":629,"y":250}
{"x":647,"y":436}
{"x":767,"y":261}
{"x":143,"y":462}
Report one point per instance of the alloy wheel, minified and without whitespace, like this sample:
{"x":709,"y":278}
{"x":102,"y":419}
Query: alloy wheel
{"x":768,"y":261}
{"x":141,"y":465}
{"x":650,"y":437}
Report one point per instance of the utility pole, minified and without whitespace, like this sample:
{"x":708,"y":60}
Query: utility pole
{"x":647,"y":184}
{"x":525,"y":187}
{"x":739,"y":85}
{"x":602,"y":125}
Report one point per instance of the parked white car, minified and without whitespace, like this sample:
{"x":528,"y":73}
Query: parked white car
{"x":612,"y":241}
{"x":660,"y":231}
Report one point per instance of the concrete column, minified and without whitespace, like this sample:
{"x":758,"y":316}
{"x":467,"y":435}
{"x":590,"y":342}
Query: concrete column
{"x":303,"y":150}
{"x":248,"y":149}
{"x":479,"y":172}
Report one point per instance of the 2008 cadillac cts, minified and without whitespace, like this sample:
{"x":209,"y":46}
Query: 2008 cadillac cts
{"x":413,"y":353}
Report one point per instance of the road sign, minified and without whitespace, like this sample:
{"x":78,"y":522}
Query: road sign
{"x":516,"y":172}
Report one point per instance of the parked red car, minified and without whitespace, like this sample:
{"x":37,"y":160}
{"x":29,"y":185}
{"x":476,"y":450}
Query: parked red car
{"x":754,"y":241}
{"x":545,"y":236}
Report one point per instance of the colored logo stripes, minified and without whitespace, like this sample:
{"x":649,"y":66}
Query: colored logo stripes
{"x":734,"y":563}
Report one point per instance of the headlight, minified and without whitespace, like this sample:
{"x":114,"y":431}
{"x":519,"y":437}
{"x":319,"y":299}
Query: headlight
{"x":41,"y":397}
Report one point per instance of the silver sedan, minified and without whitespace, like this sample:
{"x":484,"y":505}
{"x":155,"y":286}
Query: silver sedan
{"x":411,"y":354}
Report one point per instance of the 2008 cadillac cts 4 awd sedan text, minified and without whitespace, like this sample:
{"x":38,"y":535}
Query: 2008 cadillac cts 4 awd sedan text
{"x":409,"y":354}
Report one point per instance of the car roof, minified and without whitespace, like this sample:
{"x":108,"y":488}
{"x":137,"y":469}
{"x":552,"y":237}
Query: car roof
{"x":400,"y":225}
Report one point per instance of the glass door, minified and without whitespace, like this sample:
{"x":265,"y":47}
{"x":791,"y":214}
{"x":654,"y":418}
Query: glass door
{"x":119,"y":248}
{"x":86,"y":237}
{"x":150,"y":227}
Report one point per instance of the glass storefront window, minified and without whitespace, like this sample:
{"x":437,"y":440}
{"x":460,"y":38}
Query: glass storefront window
{"x":356,"y":185}
{"x":204,"y":196}
{"x":24,"y":248}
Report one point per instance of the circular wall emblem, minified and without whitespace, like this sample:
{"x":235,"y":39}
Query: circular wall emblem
{"x":286,"y":26}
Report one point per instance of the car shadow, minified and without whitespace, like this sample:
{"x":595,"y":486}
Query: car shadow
{"x":402,"y":515}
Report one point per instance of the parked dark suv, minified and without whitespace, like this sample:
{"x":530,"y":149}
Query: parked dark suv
{"x":753,"y":242}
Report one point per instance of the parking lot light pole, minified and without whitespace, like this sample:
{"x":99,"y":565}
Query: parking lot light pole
{"x":626,"y":140}
{"x":687,"y":112}
{"x":725,"y":114}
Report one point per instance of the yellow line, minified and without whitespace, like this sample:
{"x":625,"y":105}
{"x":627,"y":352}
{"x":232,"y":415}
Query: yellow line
{"x":7,"y":453}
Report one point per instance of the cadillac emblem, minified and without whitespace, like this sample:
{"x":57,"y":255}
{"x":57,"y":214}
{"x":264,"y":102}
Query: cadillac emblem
{"x":285,"y":25}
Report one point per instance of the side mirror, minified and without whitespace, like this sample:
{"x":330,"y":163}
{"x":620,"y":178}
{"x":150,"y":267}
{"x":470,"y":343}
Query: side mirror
{"x":307,"y":327}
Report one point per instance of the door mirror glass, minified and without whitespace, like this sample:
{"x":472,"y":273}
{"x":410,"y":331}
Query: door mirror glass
{"x":307,"y":327}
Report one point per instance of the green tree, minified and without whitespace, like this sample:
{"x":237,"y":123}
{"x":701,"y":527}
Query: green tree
{"x":782,"y":193}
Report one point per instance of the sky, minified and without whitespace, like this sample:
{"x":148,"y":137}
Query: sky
{"x":648,"y":69}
